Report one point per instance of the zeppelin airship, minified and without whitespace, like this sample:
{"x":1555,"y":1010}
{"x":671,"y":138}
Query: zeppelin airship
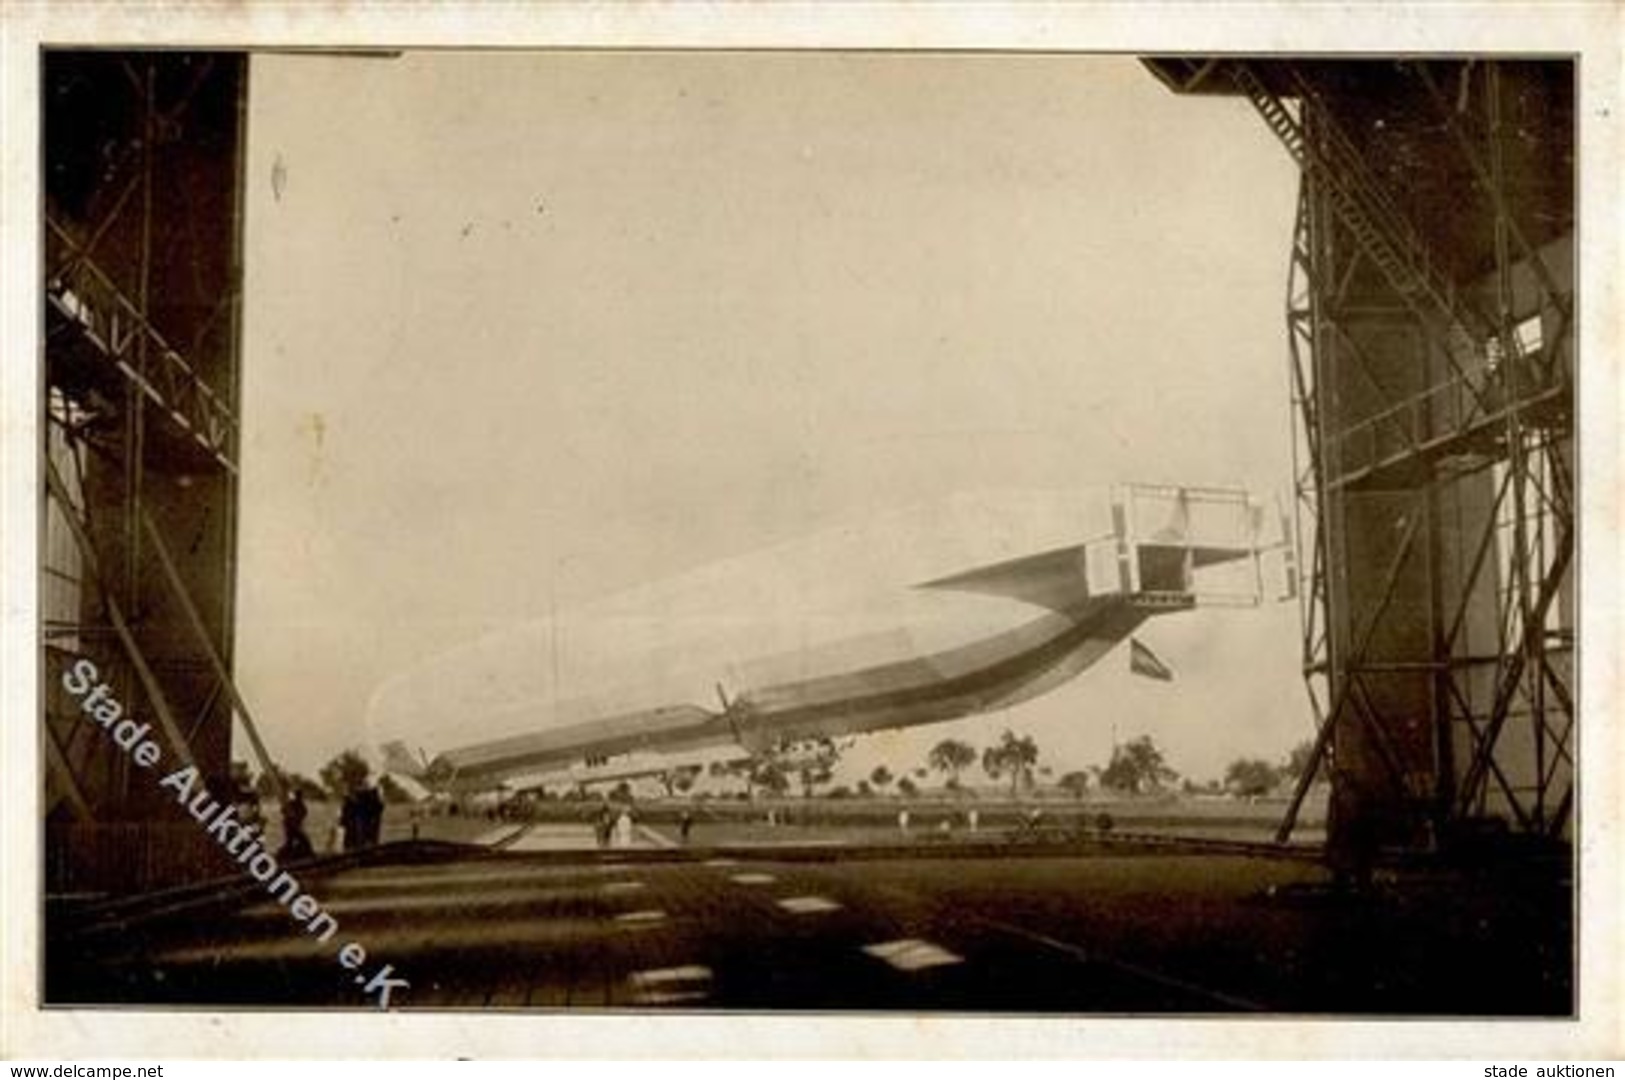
{"x":929,"y":614}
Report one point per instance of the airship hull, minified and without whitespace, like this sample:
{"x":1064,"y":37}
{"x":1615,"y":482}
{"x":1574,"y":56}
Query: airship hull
{"x":852,"y":631}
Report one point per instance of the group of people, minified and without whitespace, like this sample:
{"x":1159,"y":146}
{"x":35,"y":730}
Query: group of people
{"x":295,"y":843}
{"x":613,"y":826}
{"x":972,"y":820}
{"x":359,"y":825}
{"x":613,"y":829}
{"x":361,"y":817}
{"x":360,"y":821}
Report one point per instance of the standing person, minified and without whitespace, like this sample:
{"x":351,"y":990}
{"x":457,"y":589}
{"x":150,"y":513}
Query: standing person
{"x":247,"y":802}
{"x":902,"y":821}
{"x":372,"y":813}
{"x":685,"y":825}
{"x":350,"y":821}
{"x":295,"y":844}
{"x":601,"y":825}
{"x":973,"y":818}
{"x":623,"y":828}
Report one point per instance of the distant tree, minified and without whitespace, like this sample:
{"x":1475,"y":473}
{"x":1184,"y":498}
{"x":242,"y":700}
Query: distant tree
{"x":1137,"y":766}
{"x":1297,"y":761}
{"x":1250,"y":777}
{"x":304,"y":785}
{"x":777,"y":781}
{"x":265,"y":786}
{"x":907,"y":788}
{"x":1015,"y":757}
{"x":953,"y":757}
{"x":767,"y":772}
{"x":817,"y":766}
{"x":621,"y":792}
{"x":842,"y":792}
{"x":345,"y":773}
{"x":1075,"y":783}
{"x":864,"y":789}
{"x":881,"y":777}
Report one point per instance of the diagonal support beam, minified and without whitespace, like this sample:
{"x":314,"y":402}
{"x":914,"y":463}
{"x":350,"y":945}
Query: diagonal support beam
{"x":1513,"y":674}
{"x":1466,"y":716}
{"x":58,"y":760}
{"x":195,"y":620}
{"x":144,"y":673}
{"x":1345,"y":686}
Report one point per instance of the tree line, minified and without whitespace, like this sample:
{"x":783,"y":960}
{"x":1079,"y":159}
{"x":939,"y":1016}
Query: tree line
{"x":1136,"y":767}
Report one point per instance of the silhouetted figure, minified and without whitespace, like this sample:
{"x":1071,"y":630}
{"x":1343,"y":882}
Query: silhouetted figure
{"x":295,"y":844}
{"x":685,"y":825}
{"x":602,"y":824}
{"x":247,"y":803}
{"x":370,"y":812}
{"x":350,"y":821}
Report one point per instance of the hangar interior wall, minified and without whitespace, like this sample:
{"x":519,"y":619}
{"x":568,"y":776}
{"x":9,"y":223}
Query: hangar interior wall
{"x":142,"y":162}
{"x":1430,"y":315}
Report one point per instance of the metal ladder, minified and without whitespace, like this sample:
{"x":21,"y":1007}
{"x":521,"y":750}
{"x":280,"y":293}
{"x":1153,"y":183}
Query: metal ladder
{"x":1379,"y":228}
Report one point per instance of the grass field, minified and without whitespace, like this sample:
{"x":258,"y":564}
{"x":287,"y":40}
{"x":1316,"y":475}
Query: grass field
{"x":877,"y":821}
{"x":719,"y":822}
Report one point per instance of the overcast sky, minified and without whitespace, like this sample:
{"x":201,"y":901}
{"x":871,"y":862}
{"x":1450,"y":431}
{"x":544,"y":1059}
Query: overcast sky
{"x":524,"y":329}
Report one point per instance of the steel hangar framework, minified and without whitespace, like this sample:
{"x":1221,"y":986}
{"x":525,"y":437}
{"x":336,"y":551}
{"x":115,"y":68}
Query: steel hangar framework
{"x":142,"y":167}
{"x":1430,"y":316}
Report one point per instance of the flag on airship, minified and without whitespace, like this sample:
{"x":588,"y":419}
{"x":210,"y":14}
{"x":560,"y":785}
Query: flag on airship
{"x":1142,"y":661}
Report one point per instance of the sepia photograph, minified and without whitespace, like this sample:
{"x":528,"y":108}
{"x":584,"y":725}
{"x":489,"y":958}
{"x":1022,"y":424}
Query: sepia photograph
{"x":729,"y":531}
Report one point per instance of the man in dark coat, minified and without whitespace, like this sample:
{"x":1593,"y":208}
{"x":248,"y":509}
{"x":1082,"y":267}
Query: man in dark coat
{"x":370,"y":806}
{"x":350,"y":821}
{"x":295,"y":844}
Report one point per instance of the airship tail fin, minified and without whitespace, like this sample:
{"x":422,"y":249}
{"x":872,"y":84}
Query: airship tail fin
{"x":397,"y":759}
